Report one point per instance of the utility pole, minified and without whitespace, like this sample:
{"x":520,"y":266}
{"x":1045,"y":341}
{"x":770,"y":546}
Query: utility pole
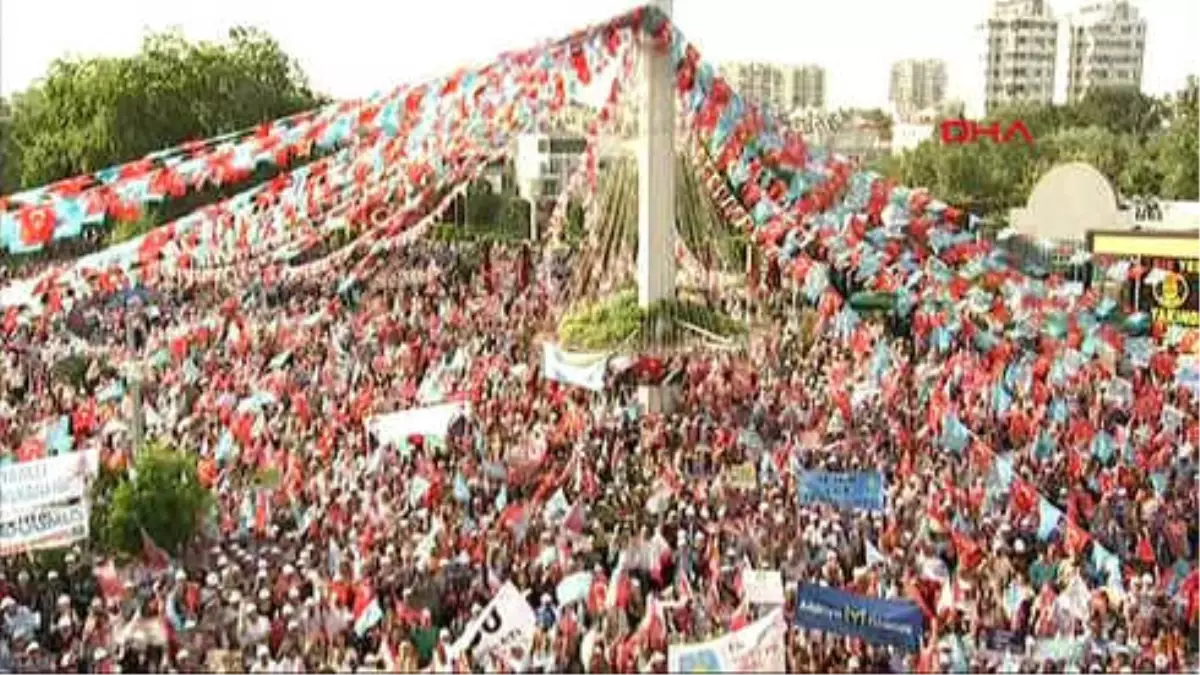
{"x":135,"y":379}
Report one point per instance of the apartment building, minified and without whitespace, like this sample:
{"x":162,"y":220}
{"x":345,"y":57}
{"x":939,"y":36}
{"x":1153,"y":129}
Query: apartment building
{"x":1021,"y":51}
{"x":781,"y":87}
{"x":1107,"y":48}
{"x":917,"y":85}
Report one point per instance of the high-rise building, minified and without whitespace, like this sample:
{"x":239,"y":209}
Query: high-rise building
{"x":1022,"y":46}
{"x":784,"y":88}
{"x":1191,"y":91}
{"x":808,"y":87}
{"x":1107,"y":48}
{"x":917,"y":85}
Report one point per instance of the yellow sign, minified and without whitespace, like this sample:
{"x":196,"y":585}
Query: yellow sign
{"x":1188,"y":318}
{"x":1171,"y":291}
{"x":1182,"y":247}
{"x":743,"y":476}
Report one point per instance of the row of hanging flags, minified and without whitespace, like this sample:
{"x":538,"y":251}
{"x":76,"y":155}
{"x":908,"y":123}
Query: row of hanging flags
{"x":821,"y":217}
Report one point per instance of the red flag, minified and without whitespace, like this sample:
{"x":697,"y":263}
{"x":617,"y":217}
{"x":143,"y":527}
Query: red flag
{"x":152,"y":556}
{"x":968,"y":552}
{"x":1077,"y":538}
{"x":1145,"y":552}
{"x":109,"y":581}
{"x":1024,"y":496}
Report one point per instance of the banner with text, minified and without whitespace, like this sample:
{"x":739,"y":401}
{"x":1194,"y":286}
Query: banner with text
{"x":898,"y":623}
{"x":507,"y":621}
{"x":43,"y":527}
{"x":852,"y":490}
{"x":756,"y":648}
{"x":28,"y":485}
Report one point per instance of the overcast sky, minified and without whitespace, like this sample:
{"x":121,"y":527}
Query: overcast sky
{"x":351,"y":48}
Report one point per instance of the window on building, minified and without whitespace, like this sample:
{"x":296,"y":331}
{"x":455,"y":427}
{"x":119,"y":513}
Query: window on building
{"x":568,"y":146}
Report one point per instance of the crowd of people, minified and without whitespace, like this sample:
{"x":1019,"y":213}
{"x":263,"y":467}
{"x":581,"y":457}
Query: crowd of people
{"x":373,"y":557}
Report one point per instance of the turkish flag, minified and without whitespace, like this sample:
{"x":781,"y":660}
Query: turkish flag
{"x":37,"y":225}
{"x":1077,"y":538}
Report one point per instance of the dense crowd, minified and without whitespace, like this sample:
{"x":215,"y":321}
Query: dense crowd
{"x":542,"y":481}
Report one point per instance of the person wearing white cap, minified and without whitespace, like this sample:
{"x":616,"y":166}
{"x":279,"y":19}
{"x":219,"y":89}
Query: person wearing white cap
{"x":262,"y":660}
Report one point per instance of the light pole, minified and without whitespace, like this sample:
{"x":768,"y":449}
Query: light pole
{"x":533,"y":225}
{"x":135,"y":374}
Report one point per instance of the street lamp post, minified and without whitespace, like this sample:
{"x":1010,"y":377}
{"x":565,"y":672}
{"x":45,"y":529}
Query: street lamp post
{"x":135,"y":378}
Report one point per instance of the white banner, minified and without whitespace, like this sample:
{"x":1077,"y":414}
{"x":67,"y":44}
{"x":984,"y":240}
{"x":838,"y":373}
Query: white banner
{"x":581,"y":370}
{"x":28,"y":485}
{"x":394,"y":428}
{"x":45,"y":527}
{"x":757,"y":648}
{"x":508,"y":621}
{"x":763,"y":587}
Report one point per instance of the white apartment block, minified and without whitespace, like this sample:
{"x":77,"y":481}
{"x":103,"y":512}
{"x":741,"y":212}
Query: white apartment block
{"x":1107,"y":48}
{"x":917,"y":85}
{"x":783,"y":88}
{"x":544,"y":163}
{"x":1021,"y":51}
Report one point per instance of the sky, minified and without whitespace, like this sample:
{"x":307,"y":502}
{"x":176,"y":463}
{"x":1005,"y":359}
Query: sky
{"x":351,"y":48}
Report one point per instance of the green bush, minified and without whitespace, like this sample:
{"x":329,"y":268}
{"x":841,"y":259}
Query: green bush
{"x":162,"y":496}
{"x":609,"y":323}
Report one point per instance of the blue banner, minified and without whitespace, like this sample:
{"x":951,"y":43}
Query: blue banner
{"x":897,"y":623}
{"x":856,"y":490}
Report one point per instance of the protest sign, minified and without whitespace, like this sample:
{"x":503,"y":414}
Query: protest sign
{"x":28,"y":485}
{"x":743,"y":476}
{"x":756,"y":648}
{"x":898,"y":623}
{"x":508,"y":621}
{"x":763,"y":587}
{"x":43,"y":527}
{"x":853,"y":490}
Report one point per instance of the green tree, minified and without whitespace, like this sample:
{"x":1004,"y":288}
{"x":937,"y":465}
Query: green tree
{"x":161,"y":496}
{"x":483,"y":206}
{"x":9,"y":161}
{"x":1179,"y":156}
{"x":1121,"y":110}
{"x":87,"y":114}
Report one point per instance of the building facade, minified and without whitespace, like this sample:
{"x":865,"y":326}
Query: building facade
{"x":544,"y":162}
{"x":1021,"y":52}
{"x":782,"y":87}
{"x":917,"y":85}
{"x":1107,"y":48}
{"x":1191,"y":91}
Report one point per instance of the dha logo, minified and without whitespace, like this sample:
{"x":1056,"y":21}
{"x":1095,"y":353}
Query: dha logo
{"x":962,"y":132}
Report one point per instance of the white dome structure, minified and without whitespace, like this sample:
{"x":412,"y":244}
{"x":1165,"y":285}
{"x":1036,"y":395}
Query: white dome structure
{"x":1068,"y":201}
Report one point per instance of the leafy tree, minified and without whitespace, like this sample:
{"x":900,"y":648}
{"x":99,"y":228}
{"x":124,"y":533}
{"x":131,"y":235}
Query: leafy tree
{"x":8,"y":150}
{"x":87,"y":114}
{"x":1179,"y":156}
{"x":483,"y":206}
{"x":1121,"y":110}
{"x":515,"y":215}
{"x":161,"y":496}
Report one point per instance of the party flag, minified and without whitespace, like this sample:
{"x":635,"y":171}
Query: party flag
{"x":874,"y":556}
{"x":367,"y":611}
{"x":1049,"y":516}
{"x":955,"y":434}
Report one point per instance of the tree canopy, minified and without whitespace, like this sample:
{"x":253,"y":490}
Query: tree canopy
{"x":161,"y":498}
{"x":86,"y":114}
{"x":1145,"y":146}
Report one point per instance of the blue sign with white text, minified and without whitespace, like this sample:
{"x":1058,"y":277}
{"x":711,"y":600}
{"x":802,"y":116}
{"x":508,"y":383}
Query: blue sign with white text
{"x":898,"y":623}
{"x":852,"y":490}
